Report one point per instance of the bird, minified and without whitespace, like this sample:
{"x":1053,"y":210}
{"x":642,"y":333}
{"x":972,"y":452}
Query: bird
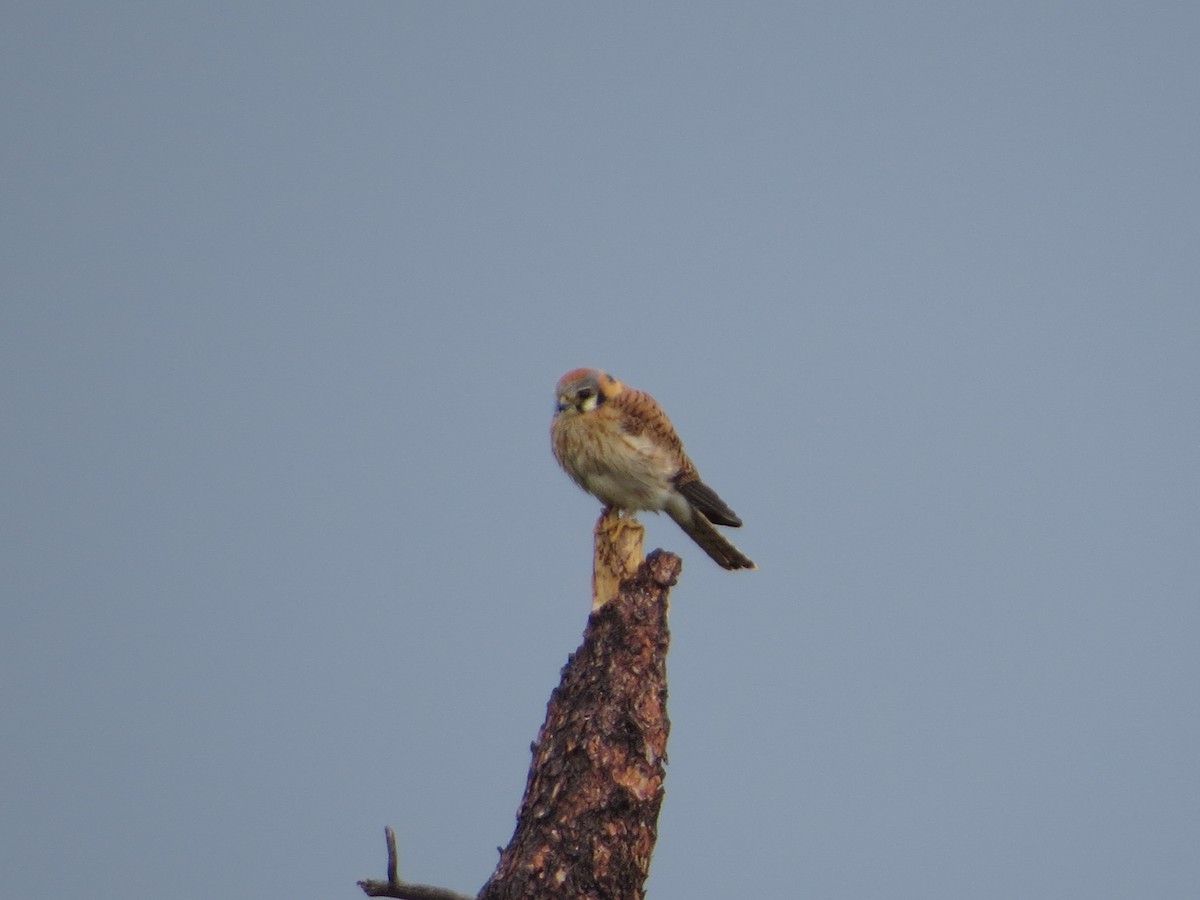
{"x":616,"y":443}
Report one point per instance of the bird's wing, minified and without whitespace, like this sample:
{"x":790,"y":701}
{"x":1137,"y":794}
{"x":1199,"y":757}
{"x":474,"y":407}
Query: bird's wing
{"x":705,"y":499}
{"x":641,"y":416}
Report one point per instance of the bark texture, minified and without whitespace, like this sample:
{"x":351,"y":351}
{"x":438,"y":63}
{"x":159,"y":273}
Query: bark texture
{"x":588,"y":821}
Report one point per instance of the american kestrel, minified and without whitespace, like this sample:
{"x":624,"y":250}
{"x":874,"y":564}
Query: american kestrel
{"x":618,"y":445}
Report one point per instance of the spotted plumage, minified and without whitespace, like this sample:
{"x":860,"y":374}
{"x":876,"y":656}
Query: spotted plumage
{"x":618,"y":445}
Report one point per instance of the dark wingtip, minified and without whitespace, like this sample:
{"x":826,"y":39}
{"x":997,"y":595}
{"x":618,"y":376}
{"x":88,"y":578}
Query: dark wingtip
{"x":705,"y":499}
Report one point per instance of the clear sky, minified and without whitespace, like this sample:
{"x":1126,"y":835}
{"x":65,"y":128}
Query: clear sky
{"x":285,"y":557}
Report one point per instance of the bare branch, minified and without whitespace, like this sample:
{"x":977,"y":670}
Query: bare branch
{"x":393,"y":857}
{"x":402,"y":890}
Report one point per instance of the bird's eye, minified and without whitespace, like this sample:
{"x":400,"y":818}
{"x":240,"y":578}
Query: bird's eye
{"x":586,"y":394}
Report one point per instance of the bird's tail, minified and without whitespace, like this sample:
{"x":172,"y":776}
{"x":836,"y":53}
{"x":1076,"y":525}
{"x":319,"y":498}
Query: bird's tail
{"x":711,"y":541}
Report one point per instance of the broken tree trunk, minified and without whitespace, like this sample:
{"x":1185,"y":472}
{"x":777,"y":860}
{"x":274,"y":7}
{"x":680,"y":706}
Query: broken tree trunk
{"x":587,"y":824}
{"x":588,"y":821}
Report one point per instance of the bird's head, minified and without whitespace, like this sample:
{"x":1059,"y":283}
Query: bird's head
{"x":582,"y":390}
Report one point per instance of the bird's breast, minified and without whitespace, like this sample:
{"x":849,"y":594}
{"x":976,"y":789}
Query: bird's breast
{"x":627,"y":471}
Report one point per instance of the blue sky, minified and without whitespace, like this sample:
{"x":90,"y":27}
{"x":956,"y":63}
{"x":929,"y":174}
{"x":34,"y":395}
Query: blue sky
{"x":285,"y":556}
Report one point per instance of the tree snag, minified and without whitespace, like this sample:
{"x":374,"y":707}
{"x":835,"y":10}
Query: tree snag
{"x":588,"y":821}
{"x":587,"y":824}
